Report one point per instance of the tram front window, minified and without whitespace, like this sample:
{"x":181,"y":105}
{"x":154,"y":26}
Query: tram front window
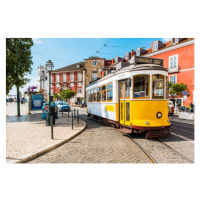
{"x":157,"y":86}
{"x":141,"y":86}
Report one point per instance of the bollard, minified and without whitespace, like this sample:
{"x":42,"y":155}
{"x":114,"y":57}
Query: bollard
{"x":74,"y":113}
{"x":68,"y":113}
{"x":62,"y":113}
{"x":77,"y":117}
{"x":72,"y":120}
{"x":51,"y":127}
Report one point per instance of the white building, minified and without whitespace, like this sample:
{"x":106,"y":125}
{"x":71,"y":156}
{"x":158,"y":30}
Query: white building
{"x":43,"y":80}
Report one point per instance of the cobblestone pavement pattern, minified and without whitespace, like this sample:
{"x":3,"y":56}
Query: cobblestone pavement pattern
{"x":181,"y":139}
{"x":99,"y":143}
{"x":103,"y":144}
{"x":29,"y":132}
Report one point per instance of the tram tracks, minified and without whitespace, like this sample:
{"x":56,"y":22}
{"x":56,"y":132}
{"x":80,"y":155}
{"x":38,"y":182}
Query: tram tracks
{"x":159,"y":152}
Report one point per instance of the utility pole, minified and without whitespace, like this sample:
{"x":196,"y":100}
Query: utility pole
{"x":18,"y":102}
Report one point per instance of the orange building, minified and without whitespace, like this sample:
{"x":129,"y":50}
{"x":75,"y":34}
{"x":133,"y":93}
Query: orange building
{"x":178,"y":58}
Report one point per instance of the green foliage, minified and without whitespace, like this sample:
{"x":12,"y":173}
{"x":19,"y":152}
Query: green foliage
{"x":18,"y":61}
{"x":177,"y":89}
{"x":56,"y":95}
{"x":67,"y":94}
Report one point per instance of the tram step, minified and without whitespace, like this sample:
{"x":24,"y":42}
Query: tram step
{"x":157,"y":134}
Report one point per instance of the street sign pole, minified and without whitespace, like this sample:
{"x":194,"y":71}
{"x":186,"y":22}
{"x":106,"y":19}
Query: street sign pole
{"x":185,"y":98}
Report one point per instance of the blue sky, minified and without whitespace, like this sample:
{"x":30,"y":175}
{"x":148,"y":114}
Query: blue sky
{"x":66,"y":51}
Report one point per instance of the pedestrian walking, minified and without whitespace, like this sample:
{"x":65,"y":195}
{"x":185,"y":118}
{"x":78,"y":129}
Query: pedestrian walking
{"x":6,"y":101}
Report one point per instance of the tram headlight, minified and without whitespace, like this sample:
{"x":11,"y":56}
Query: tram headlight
{"x":159,"y":114}
{"x":146,"y":123}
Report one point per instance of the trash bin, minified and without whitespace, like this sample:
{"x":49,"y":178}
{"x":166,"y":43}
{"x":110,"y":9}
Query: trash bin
{"x":48,"y":118}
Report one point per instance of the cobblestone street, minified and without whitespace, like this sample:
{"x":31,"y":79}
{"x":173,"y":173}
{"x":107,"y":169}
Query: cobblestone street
{"x":100,"y":143}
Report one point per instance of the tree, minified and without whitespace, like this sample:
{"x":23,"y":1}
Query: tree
{"x":56,"y":95}
{"x":18,"y":63}
{"x":177,"y":89}
{"x":67,"y":94}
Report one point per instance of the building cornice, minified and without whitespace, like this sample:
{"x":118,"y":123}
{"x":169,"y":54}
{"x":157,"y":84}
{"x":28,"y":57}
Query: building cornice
{"x":170,"y":48}
{"x":80,"y":70}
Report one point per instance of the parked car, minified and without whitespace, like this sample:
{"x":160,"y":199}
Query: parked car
{"x":170,"y":108}
{"x":62,"y":106}
{"x":182,"y":108}
{"x":45,"y":107}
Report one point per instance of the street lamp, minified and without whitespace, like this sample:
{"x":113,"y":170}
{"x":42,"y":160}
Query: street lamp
{"x":49,"y":66}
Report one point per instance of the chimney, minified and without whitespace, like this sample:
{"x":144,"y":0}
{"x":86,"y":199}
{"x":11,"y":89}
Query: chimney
{"x":132,"y":53}
{"x":113,"y":61}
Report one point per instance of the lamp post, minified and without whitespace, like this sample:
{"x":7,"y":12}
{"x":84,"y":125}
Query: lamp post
{"x":49,"y":66}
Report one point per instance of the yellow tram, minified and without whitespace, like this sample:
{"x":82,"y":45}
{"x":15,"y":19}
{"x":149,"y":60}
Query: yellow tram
{"x":132,"y":98}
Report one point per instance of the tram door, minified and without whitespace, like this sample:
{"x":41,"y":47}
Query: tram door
{"x":124,"y":101}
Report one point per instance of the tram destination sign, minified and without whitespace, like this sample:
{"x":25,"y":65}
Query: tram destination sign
{"x":145,"y":60}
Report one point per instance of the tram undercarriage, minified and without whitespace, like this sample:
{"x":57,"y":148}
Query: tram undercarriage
{"x":150,"y":132}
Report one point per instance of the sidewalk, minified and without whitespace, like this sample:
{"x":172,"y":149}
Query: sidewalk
{"x":28,"y":135}
{"x":176,"y":118}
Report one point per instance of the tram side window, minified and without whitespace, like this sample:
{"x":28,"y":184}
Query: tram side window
{"x":128,"y":85}
{"x":157,"y":86}
{"x":91,"y":96}
{"x":141,"y":86}
{"x":104,"y":93}
{"x":95,"y":94}
{"x":99,"y":94}
{"x":110,"y":92}
{"x":88,"y":95}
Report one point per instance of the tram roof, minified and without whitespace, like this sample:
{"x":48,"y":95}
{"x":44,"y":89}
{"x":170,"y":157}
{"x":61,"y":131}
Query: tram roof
{"x":132,"y":68}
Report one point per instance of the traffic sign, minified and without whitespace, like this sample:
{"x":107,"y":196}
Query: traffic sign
{"x":185,"y":92}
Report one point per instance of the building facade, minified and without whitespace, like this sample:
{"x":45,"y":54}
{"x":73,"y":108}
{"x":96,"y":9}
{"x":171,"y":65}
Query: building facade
{"x":70,"y":77}
{"x":94,"y":67}
{"x":77,"y":76}
{"x":178,"y":58}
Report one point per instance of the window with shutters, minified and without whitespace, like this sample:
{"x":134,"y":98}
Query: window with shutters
{"x":64,"y":78}
{"x":57,"y":78}
{"x":71,"y":77}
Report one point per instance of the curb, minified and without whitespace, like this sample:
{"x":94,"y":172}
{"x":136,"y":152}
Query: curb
{"x":45,"y":149}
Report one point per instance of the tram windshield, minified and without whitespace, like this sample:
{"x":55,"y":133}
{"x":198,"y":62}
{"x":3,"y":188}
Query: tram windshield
{"x":157,"y":86}
{"x":141,"y":86}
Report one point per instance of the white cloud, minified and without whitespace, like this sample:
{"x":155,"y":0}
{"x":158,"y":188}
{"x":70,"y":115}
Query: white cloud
{"x":37,"y":40}
{"x":166,"y":39}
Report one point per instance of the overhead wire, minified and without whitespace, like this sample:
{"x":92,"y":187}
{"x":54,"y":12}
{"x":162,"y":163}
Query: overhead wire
{"x":50,"y":57}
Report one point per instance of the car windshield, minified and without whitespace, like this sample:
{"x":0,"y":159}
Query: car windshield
{"x":62,"y":103}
